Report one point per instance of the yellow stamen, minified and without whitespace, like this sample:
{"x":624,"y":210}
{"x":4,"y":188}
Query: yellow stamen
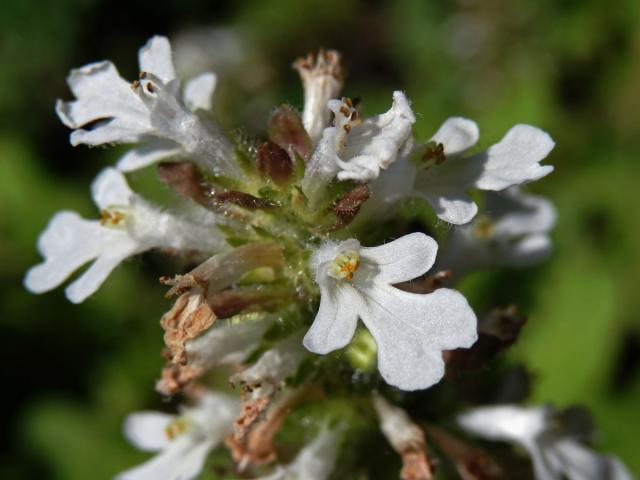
{"x":111,"y":218}
{"x":176,"y":428}
{"x":483,"y":227}
{"x":345,"y":265}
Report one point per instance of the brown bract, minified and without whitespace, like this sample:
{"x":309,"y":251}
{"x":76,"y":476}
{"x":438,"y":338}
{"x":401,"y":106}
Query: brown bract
{"x":348,"y":206}
{"x":229,"y":302}
{"x":426,"y":284}
{"x":241,"y":199}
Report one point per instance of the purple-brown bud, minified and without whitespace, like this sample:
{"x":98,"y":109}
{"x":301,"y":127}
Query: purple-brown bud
{"x":275,"y":162}
{"x":184,"y":178}
{"x":286,"y":130}
{"x":348,"y":206}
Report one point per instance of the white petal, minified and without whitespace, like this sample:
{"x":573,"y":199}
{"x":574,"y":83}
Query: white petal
{"x":618,"y":470}
{"x":276,"y":364}
{"x":67,"y":243}
{"x":94,"y":276}
{"x":147,"y":154}
{"x":155,"y":57}
{"x":455,"y":207}
{"x":101,"y":93}
{"x":198,"y":91}
{"x":110,"y":189}
{"x":515,"y":159}
{"x":147,"y":430}
{"x":322,"y":166}
{"x":154,"y":228}
{"x":517,"y":213}
{"x":506,"y":422}
{"x":116,"y":130}
{"x":336,"y":320}
{"x":411,"y":331}
{"x":392,"y":185}
{"x":395,"y":183}
{"x":518,"y":234}
{"x":445,"y":187}
{"x":374,"y":144}
{"x":553,"y":456}
{"x":457,"y":135}
{"x":581,"y":463}
{"x":546,"y":465}
{"x":226,"y":343}
{"x":529,"y":250}
{"x":214,"y":415}
{"x":403,"y":259}
{"x":316,"y":460}
{"x":182,"y":460}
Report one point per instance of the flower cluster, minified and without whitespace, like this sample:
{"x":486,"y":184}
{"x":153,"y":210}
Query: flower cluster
{"x":286,"y":277}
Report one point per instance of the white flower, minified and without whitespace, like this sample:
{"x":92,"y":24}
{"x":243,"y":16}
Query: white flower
{"x":514,"y":231}
{"x":445,"y":174}
{"x":410,"y":330}
{"x":152,"y":110}
{"x":555,"y":454}
{"x":129,"y":225}
{"x":355,"y":149}
{"x":314,"y":462}
{"x":184,"y":441}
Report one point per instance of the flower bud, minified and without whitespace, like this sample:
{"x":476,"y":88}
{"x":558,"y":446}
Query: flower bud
{"x":286,"y":130}
{"x":275,"y":163}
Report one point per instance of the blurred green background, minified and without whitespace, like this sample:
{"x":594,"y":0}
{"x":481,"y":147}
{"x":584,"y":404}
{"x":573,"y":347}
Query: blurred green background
{"x":71,"y":373}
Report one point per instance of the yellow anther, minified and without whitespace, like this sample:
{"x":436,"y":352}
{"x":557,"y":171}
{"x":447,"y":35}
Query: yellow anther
{"x":111,"y":218}
{"x":433,"y":154}
{"x":345,"y":265}
{"x":176,"y":428}
{"x":483,"y":227}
